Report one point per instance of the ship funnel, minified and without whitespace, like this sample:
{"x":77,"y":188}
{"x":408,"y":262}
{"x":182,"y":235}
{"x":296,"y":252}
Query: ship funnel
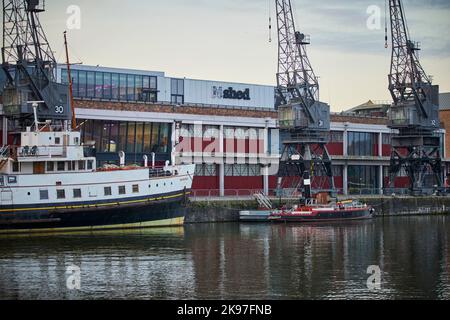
{"x":145,"y":161}
{"x":122,"y":158}
{"x":153,"y":160}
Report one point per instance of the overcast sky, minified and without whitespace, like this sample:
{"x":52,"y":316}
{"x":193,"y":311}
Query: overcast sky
{"x":228,"y":40}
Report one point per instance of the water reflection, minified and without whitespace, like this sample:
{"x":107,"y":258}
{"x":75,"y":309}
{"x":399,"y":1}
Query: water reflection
{"x":235,"y":261}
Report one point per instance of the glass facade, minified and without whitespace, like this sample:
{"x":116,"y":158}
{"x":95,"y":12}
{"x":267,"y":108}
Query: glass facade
{"x":131,"y":137}
{"x":112,"y":86}
{"x":363,"y":179}
{"x":362,"y":144}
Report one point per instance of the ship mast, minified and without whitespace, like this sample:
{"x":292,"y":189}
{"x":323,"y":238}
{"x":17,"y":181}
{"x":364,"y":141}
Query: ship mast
{"x":69,"y":75}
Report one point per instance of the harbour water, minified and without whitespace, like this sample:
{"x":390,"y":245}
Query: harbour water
{"x":235,"y":261}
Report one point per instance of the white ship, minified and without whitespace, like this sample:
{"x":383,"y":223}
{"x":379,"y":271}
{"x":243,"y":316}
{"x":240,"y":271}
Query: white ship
{"x":51,"y":183}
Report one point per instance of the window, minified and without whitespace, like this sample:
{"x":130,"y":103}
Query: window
{"x":336,"y":136}
{"x":90,"y":165}
{"x":114,"y":137}
{"x":61,"y":166}
{"x":206,"y":170}
{"x":164,"y":138}
{"x":131,"y":137}
{"x":74,"y":75}
{"x":130,"y":88}
{"x":135,"y":188}
{"x":107,"y":86}
{"x":50,"y":166}
{"x":139,"y":88}
{"x":155,"y":137}
{"x":81,"y":165}
{"x":115,"y":86}
{"x":177,"y":99}
{"x":108,"y":191}
{"x":77,"y":193}
{"x":57,"y":140}
{"x":98,"y":133}
{"x":60,"y":194}
{"x":363,"y":179}
{"x":123,"y":136}
{"x":99,"y":85}
{"x":12,"y":179}
{"x":90,"y":84}
{"x":16,"y":166}
{"x":139,"y":137}
{"x":147,"y":138}
{"x":71,"y":166}
{"x":105,"y":139}
{"x":43,"y":194}
{"x":123,"y":87}
{"x":177,"y":91}
{"x":64,"y":76}
{"x":362,"y":144}
{"x":82,"y":84}
{"x":122,"y":190}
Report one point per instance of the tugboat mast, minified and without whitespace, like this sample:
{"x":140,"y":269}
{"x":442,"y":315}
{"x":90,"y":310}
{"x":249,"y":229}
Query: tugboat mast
{"x":69,"y":75}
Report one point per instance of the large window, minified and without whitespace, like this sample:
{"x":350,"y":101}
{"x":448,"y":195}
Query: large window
{"x":130,"y":137}
{"x":114,"y":86}
{"x":177,"y":91}
{"x":362,"y":144}
{"x":363,"y":179}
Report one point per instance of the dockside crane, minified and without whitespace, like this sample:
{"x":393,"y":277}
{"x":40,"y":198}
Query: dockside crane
{"x":414,"y":115}
{"x":304,"y":120}
{"x":31,"y":91}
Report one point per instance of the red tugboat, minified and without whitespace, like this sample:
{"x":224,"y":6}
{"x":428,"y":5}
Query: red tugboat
{"x":313,"y":212}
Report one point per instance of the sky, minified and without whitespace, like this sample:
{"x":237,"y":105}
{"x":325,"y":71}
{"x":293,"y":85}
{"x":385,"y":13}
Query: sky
{"x":228,"y":40}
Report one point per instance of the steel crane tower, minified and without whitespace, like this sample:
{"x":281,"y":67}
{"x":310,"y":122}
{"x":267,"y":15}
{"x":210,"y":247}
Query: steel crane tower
{"x":414,"y":114}
{"x":30,"y":66}
{"x":304,"y":121}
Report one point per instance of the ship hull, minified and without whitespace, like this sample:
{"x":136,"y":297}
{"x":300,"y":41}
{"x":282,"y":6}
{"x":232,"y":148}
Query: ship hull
{"x":159,"y":211}
{"x":335,"y":216}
